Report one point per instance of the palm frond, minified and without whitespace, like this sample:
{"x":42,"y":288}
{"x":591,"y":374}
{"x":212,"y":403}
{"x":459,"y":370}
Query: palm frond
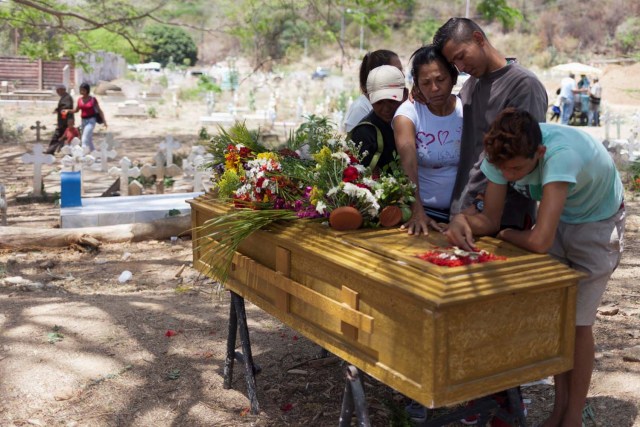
{"x":221,"y":236}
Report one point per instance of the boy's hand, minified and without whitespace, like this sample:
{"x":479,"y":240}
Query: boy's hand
{"x":459,"y":233}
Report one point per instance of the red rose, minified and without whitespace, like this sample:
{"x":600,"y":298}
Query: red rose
{"x":350,"y":174}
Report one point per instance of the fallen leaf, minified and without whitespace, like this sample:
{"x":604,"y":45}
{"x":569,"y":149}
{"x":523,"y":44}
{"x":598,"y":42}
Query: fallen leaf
{"x":295,"y":338}
{"x":170,"y":333}
{"x":174,"y":374}
{"x":286,"y":407}
{"x":244,"y":412}
{"x":208,"y":355}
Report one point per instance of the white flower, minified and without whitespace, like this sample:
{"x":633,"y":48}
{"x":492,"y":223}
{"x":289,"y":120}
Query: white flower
{"x":321,"y":207}
{"x":341,"y":156}
{"x":360,"y":168}
{"x":332,"y":191}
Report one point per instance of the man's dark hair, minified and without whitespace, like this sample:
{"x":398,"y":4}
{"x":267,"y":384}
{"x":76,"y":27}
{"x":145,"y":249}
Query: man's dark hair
{"x":373,"y":60}
{"x":460,"y":30}
{"x":427,"y":55}
{"x":514,"y":133}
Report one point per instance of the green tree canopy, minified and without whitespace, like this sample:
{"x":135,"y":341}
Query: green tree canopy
{"x":167,"y":43}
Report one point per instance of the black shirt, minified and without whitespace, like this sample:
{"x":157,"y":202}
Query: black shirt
{"x":366,"y":136}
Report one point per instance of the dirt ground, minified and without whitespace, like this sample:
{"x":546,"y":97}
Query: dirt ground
{"x":78,"y":348}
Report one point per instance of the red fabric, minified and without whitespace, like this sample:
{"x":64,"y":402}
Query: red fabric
{"x":71,"y":133}
{"x":87,"y":108}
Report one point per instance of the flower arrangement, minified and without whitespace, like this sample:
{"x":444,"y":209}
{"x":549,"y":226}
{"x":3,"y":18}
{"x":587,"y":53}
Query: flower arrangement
{"x":316,"y":175}
{"x":456,"y":257}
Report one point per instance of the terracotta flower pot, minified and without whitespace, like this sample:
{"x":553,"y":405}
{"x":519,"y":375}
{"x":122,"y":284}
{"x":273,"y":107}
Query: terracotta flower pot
{"x":390,"y":216}
{"x":345,"y":218}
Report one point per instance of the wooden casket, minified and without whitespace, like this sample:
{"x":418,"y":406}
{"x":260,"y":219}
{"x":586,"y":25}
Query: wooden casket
{"x":439,"y":335}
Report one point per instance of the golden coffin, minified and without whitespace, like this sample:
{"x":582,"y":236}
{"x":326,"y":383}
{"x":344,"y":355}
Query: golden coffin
{"x":440,"y":335}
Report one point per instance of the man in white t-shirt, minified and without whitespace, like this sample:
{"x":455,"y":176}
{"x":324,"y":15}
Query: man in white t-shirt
{"x":568,"y":90}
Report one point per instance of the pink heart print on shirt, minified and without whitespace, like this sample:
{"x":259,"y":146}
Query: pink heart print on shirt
{"x":424,"y":139}
{"x":442,"y":136}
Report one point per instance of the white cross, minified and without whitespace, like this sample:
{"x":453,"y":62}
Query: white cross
{"x":124,"y":172}
{"x":76,"y":156}
{"x":38,"y":158}
{"x":201,"y":173}
{"x":188,"y":166}
{"x":109,"y":139}
{"x":104,"y":154}
{"x":606,"y":118}
{"x":160,"y":170}
{"x":169,"y":146}
{"x":618,"y":120}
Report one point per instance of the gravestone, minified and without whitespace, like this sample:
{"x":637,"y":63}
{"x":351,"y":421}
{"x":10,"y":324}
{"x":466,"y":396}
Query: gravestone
{"x":104,"y":154}
{"x":160,"y":170}
{"x":66,"y":76}
{"x":38,"y":128}
{"x":188,"y":167}
{"x":201,"y":173}
{"x":168,"y":147}
{"x":3,"y":205}
{"x":135,"y":188}
{"x":38,"y":158}
{"x":76,"y":156}
{"x":112,"y":144}
{"x":131,"y":108}
{"x":124,"y":172}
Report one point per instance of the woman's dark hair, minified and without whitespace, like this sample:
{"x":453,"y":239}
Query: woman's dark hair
{"x":460,"y":30}
{"x":514,"y":133}
{"x":86,"y":87}
{"x":373,"y":60}
{"x":428,"y":54}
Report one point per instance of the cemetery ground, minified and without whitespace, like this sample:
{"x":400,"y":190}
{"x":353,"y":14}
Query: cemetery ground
{"x":78,"y":348}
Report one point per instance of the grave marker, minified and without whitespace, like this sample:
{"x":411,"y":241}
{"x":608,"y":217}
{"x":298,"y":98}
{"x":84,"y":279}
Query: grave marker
{"x":135,"y":188}
{"x":160,"y":170}
{"x":38,"y":128}
{"x":104,"y":154}
{"x":38,"y":158}
{"x":200,"y":173}
{"x":3,"y":205}
{"x":124,"y":172}
{"x":169,"y":146}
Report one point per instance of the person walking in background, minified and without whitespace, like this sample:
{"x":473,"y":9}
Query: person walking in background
{"x":65,"y":104}
{"x":555,"y":108}
{"x":595,"y":95}
{"x":581,"y":223}
{"x":91,"y":114}
{"x":361,"y":106}
{"x":568,"y":91}
{"x":70,"y":132}
{"x":428,"y":139}
{"x":494,"y":85}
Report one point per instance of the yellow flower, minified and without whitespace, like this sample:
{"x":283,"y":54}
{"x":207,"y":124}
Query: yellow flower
{"x":268,"y":155}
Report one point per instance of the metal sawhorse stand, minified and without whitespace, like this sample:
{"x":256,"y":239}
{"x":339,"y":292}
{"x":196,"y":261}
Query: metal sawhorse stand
{"x":353,"y":400}
{"x":354,"y":403}
{"x":238,"y":321}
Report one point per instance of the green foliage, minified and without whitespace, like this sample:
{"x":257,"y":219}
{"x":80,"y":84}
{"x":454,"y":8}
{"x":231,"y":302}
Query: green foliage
{"x":628,"y":35}
{"x":50,"y":29}
{"x":102,"y":39}
{"x":170,"y":43}
{"x":152,"y":112}
{"x":206,"y":84}
{"x":315,"y":130}
{"x":493,"y":10}
{"x":203,"y":134}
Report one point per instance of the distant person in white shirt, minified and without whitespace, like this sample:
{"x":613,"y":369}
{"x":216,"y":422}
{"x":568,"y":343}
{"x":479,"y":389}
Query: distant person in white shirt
{"x":361,"y":106}
{"x":568,"y":90}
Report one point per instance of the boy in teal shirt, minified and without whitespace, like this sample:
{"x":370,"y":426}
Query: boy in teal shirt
{"x":580,"y":222}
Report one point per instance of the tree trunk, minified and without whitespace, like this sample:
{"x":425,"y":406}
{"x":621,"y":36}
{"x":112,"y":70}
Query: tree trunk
{"x":24,"y":237}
